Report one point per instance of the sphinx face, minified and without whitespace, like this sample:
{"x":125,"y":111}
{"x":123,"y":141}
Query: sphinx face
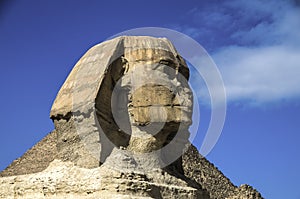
{"x":157,"y":98}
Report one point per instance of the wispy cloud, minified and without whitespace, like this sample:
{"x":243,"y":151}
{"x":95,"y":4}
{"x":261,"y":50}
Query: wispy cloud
{"x":261,"y":74}
{"x":255,"y":44}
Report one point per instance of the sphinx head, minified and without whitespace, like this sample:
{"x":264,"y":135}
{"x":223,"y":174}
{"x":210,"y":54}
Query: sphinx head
{"x":135,"y":92}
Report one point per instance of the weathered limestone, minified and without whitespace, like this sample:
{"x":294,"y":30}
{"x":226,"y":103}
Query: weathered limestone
{"x":121,"y":131}
{"x":195,"y":167}
{"x":128,"y":92}
{"x":65,"y":180}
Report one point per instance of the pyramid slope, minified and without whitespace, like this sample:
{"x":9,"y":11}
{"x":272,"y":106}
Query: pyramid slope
{"x":35,"y":159}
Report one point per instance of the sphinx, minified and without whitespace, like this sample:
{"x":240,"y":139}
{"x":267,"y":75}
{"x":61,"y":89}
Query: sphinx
{"x":130,"y":93}
{"x":122,"y":121}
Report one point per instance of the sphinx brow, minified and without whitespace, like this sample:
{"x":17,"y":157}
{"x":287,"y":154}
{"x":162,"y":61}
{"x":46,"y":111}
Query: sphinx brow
{"x":166,"y":60}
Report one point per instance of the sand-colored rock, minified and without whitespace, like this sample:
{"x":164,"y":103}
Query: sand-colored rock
{"x":121,"y":131}
{"x":65,"y":180}
{"x":148,"y":80}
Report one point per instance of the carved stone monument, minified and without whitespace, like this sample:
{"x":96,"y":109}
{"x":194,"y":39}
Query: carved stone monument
{"x":122,"y":122}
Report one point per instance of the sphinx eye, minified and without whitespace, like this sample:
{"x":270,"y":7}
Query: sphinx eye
{"x":166,"y":62}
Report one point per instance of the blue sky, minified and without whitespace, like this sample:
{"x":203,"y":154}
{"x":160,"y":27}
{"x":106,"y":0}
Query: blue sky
{"x":255,"y":44}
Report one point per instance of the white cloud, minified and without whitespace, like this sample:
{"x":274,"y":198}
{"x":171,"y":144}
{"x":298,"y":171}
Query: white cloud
{"x":260,"y":74}
{"x":261,"y":63}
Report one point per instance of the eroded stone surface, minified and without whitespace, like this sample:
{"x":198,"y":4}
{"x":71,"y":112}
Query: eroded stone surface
{"x":121,"y":131}
{"x":195,"y":167}
{"x":128,"y":92}
{"x":65,"y":180}
{"x":245,"y":192}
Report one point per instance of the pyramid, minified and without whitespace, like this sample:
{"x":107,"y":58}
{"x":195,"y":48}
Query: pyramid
{"x":122,"y":122}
